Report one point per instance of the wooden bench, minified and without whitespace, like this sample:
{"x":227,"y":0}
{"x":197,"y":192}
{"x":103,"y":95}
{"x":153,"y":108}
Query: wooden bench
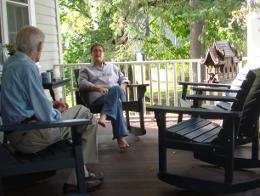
{"x":212,"y":142}
{"x":128,"y":106}
{"x":15,"y":166}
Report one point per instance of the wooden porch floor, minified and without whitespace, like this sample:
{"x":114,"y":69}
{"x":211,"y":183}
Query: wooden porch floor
{"x":134,"y":171}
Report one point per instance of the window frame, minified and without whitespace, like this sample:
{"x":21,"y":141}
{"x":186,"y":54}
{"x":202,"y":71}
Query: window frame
{"x":4,"y":19}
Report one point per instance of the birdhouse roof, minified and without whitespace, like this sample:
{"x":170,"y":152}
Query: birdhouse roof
{"x":218,"y":52}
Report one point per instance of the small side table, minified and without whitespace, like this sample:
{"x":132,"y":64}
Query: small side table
{"x":51,"y":86}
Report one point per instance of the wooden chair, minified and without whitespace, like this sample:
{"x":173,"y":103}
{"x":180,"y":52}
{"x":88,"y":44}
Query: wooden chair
{"x":215,"y":143}
{"x":128,"y":106}
{"x":64,"y":154}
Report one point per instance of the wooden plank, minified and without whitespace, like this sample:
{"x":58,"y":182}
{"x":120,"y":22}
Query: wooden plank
{"x":206,"y":136}
{"x":202,"y":130}
{"x":192,"y":127}
{"x":183,"y":125}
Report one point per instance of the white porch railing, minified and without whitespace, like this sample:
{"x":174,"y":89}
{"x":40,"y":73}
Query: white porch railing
{"x":162,"y":76}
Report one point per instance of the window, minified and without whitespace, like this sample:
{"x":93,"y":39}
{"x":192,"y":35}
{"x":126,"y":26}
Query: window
{"x":17,"y":17}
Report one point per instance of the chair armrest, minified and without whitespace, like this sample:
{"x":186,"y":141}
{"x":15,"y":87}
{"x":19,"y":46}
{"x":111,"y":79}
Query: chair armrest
{"x":141,"y":89}
{"x":211,"y":98}
{"x":214,"y":89}
{"x":186,"y":84}
{"x":204,"y":84}
{"x":43,"y":125}
{"x":138,"y":85}
{"x":204,"y":113}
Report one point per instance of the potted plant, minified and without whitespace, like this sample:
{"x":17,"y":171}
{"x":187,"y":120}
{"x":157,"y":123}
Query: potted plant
{"x":10,"y":48}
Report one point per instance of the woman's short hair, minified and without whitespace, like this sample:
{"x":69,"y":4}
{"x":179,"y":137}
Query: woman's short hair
{"x":28,"y":38}
{"x":97,"y":44}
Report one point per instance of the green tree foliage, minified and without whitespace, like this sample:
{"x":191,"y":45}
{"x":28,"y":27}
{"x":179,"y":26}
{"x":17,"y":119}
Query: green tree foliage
{"x":129,"y":26}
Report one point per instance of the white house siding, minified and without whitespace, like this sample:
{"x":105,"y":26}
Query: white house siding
{"x":47,"y":19}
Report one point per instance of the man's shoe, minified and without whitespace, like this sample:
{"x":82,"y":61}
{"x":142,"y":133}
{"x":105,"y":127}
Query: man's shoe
{"x":91,"y":186}
{"x":95,"y":176}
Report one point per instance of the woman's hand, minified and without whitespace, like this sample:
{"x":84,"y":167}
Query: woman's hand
{"x":103,"y":90}
{"x":123,"y":86}
{"x":100,"y":89}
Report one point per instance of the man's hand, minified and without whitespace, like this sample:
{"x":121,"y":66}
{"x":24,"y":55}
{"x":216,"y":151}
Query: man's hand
{"x":60,"y":105}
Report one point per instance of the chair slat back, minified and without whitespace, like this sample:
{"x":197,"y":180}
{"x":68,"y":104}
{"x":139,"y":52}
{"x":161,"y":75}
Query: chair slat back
{"x":238,"y":84}
{"x":239,"y":105}
{"x":244,"y":91}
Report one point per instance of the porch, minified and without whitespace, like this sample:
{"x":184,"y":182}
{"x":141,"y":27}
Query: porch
{"x":134,"y":172}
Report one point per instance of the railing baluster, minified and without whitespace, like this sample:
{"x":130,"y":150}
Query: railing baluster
{"x":159,"y":84}
{"x":190,"y":72}
{"x":167,"y":84}
{"x":142,"y":73}
{"x":175,"y":85}
{"x":71,"y":85}
{"x":199,"y":71}
{"x":134,"y":81}
{"x":182,"y":72}
{"x":151,"y":85}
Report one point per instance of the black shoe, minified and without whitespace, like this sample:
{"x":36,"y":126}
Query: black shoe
{"x":91,"y":186}
{"x":95,"y":176}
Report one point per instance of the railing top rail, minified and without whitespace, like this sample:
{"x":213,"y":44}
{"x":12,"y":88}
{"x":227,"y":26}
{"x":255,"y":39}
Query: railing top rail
{"x":142,"y":62}
{"x":137,"y":62}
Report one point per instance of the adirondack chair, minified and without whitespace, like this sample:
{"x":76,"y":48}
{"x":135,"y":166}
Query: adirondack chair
{"x":213,"y":141}
{"x":15,"y":166}
{"x":128,"y":106}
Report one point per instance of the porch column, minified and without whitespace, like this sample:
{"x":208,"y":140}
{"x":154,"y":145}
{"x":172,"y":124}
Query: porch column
{"x":253,"y":35}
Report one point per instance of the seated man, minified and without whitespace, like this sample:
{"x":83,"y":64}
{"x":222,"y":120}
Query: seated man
{"x":106,"y":85}
{"x":23,"y":101}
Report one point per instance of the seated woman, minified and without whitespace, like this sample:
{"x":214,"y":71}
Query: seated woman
{"x":106,"y":86}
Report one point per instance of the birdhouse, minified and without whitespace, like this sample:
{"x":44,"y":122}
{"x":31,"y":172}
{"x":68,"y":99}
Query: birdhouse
{"x":221,"y":62}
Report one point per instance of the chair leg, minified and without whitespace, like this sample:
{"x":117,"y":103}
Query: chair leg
{"x":180,"y":116}
{"x":127,"y":119}
{"x":229,"y":166}
{"x":79,"y":164}
{"x":141,"y":117}
{"x":1,"y":188}
{"x":255,"y":143}
{"x":161,"y":118}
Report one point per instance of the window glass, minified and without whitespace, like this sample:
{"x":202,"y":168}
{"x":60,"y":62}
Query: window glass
{"x":17,"y":17}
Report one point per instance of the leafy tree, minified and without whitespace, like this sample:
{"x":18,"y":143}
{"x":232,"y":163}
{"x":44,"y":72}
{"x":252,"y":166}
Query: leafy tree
{"x":129,"y":26}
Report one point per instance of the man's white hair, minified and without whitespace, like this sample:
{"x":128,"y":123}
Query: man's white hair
{"x":28,"y":38}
